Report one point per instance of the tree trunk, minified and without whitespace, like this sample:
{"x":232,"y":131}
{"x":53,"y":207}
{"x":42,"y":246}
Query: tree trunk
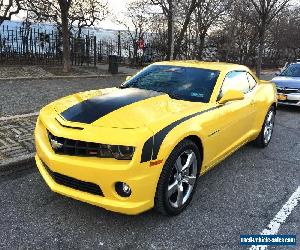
{"x":201,"y":46}
{"x":184,"y":28}
{"x":260,"y":51}
{"x":79,"y":32}
{"x":170,"y":51}
{"x":64,"y":7}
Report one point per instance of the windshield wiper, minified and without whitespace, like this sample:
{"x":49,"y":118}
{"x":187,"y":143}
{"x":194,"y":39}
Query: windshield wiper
{"x":128,"y":85}
{"x":174,"y":96}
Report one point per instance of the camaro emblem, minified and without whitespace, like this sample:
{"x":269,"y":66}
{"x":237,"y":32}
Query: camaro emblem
{"x":55,"y":144}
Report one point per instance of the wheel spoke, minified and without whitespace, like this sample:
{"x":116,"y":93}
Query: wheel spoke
{"x":178,"y":165}
{"x":190,"y":180}
{"x":172,"y":188}
{"x":191,"y":158}
{"x":269,"y":127}
{"x":270,"y":117}
{"x":179,"y":196}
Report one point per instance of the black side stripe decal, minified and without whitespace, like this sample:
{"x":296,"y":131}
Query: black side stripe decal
{"x":93,"y":109}
{"x":152,"y":145}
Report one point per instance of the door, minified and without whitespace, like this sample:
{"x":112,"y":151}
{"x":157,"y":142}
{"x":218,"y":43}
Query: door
{"x":235,"y":117}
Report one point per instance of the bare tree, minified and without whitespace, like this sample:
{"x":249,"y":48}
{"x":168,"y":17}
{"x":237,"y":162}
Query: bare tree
{"x":190,"y":8}
{"x":87,"y":13}
{"x":266,"y":11}
{"x":8,"y":8}
{"x":66,"y":13}
{"x":171,"y":11}
{"x":168,"y":9}
{"x":207,"y":15}
{"x":54,"y":11}
{"x":137,"y":23}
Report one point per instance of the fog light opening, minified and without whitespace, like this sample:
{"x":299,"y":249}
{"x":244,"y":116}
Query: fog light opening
{"x":123,"y":189}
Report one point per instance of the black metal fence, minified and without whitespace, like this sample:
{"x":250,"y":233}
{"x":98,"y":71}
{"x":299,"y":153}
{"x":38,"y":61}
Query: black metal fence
{"x":26,"y":45}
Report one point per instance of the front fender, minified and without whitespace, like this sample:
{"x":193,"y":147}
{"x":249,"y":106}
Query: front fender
{"x":175,"y":136}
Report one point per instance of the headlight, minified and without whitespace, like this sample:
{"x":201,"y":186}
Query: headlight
{"x":122,"y":152}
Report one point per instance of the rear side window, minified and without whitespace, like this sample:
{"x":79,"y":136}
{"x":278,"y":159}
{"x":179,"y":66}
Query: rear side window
{"x":235,"y":80}
{"x":252,"y":81}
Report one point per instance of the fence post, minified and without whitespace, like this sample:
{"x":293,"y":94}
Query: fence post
{"x":95,"y":51}
{"x":119,"y":43}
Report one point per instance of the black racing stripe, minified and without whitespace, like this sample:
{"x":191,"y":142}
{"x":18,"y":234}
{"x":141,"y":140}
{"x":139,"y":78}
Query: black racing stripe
{"x":93,"y":109}
{"x":147,"y":150}
{"x":158,"y":138}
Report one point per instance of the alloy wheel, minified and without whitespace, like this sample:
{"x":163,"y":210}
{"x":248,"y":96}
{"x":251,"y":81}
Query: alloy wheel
{"x":182,"y":179}
{"x":269,"y":125}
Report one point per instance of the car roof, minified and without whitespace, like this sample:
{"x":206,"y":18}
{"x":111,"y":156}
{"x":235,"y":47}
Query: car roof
{"x":221,"y":66}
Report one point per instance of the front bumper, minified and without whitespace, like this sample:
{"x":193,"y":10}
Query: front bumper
{"x":101,"y":172}
{"x":292,"y":99}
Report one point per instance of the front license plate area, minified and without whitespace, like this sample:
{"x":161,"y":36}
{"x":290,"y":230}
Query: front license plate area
{"x":281,"y":97}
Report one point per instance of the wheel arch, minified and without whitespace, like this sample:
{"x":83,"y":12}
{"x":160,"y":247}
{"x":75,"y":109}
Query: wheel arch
{"x":195,"y":138}
{"x":274,"y":104}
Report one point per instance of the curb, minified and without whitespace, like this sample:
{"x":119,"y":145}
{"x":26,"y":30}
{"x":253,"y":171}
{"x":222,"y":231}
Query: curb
{"x":22,"y":161}
{"x":61,"y":77}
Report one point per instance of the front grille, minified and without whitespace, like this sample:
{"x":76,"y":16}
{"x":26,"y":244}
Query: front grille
{"x":71,"y":147}
{"x":290,"y":101}
{"x":83,"y":186}
{"x":288,"y":91}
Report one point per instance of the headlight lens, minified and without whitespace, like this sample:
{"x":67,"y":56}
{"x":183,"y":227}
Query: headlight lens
{"x":122,"y":152}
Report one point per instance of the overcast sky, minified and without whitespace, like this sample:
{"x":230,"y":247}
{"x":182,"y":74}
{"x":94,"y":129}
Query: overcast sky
{"x":116,"y":7}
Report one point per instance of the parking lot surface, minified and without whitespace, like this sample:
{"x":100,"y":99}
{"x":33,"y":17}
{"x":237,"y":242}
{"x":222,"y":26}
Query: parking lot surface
{"x":240,"y":196}
{"x":27,"y":96}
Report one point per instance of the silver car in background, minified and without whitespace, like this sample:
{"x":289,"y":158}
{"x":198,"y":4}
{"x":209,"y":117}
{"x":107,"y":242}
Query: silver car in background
{"x":288,"y":85}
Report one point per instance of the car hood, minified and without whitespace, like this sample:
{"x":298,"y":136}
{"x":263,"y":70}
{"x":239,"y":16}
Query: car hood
{"x":120,"y":108}
{"x":287,"y":82}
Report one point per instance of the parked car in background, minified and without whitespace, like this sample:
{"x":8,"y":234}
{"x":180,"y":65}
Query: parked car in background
{"x":288,"y":85}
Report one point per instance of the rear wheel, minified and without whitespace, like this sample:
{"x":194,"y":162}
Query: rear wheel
{"x":178,"y":179}
{"x":266,"y":132}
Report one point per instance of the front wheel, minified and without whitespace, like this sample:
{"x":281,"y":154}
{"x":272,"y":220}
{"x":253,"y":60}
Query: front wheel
{"x":178,"y":179}
{"x":266,"y":132}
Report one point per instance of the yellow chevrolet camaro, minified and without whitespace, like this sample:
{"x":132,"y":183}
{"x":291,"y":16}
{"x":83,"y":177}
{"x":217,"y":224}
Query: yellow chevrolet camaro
{"x":145,"y":143}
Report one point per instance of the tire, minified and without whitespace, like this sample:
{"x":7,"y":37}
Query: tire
{"x":266,"y":132}
{"x":178,"y":179}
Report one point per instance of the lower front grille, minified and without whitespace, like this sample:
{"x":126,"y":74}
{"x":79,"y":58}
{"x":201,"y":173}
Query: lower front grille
{"x":290,"y":101}
{"x":74,"y":183}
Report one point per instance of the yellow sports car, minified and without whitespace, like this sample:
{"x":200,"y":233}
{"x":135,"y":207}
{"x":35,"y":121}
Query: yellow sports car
{"x":145,"y":143}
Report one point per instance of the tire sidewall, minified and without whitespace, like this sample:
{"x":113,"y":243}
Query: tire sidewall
{"x":263,"y":128}
{"x":169,"y":165}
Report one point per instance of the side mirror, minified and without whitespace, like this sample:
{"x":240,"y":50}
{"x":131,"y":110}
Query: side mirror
{"x":128,"y":78}
{"x":232,"y":95}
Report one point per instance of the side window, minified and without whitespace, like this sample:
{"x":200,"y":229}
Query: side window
{"x":252,"y":81}
{"x":235,"y":80}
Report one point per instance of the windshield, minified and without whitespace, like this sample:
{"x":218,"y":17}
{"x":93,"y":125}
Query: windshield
{"x":292,"y":70}
{"x":184,"y":83}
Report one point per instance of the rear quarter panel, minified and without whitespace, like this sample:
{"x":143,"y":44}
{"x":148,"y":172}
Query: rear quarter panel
{"x":265,"y":97}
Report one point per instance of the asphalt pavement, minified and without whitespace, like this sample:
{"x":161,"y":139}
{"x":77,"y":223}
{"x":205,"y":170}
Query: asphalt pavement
{"x":27,"y":96}
{"x":240,"y":196}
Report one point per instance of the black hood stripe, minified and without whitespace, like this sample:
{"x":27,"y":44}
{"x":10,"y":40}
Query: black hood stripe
{"x":152,"y":145}
{"x":93,"y":109}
